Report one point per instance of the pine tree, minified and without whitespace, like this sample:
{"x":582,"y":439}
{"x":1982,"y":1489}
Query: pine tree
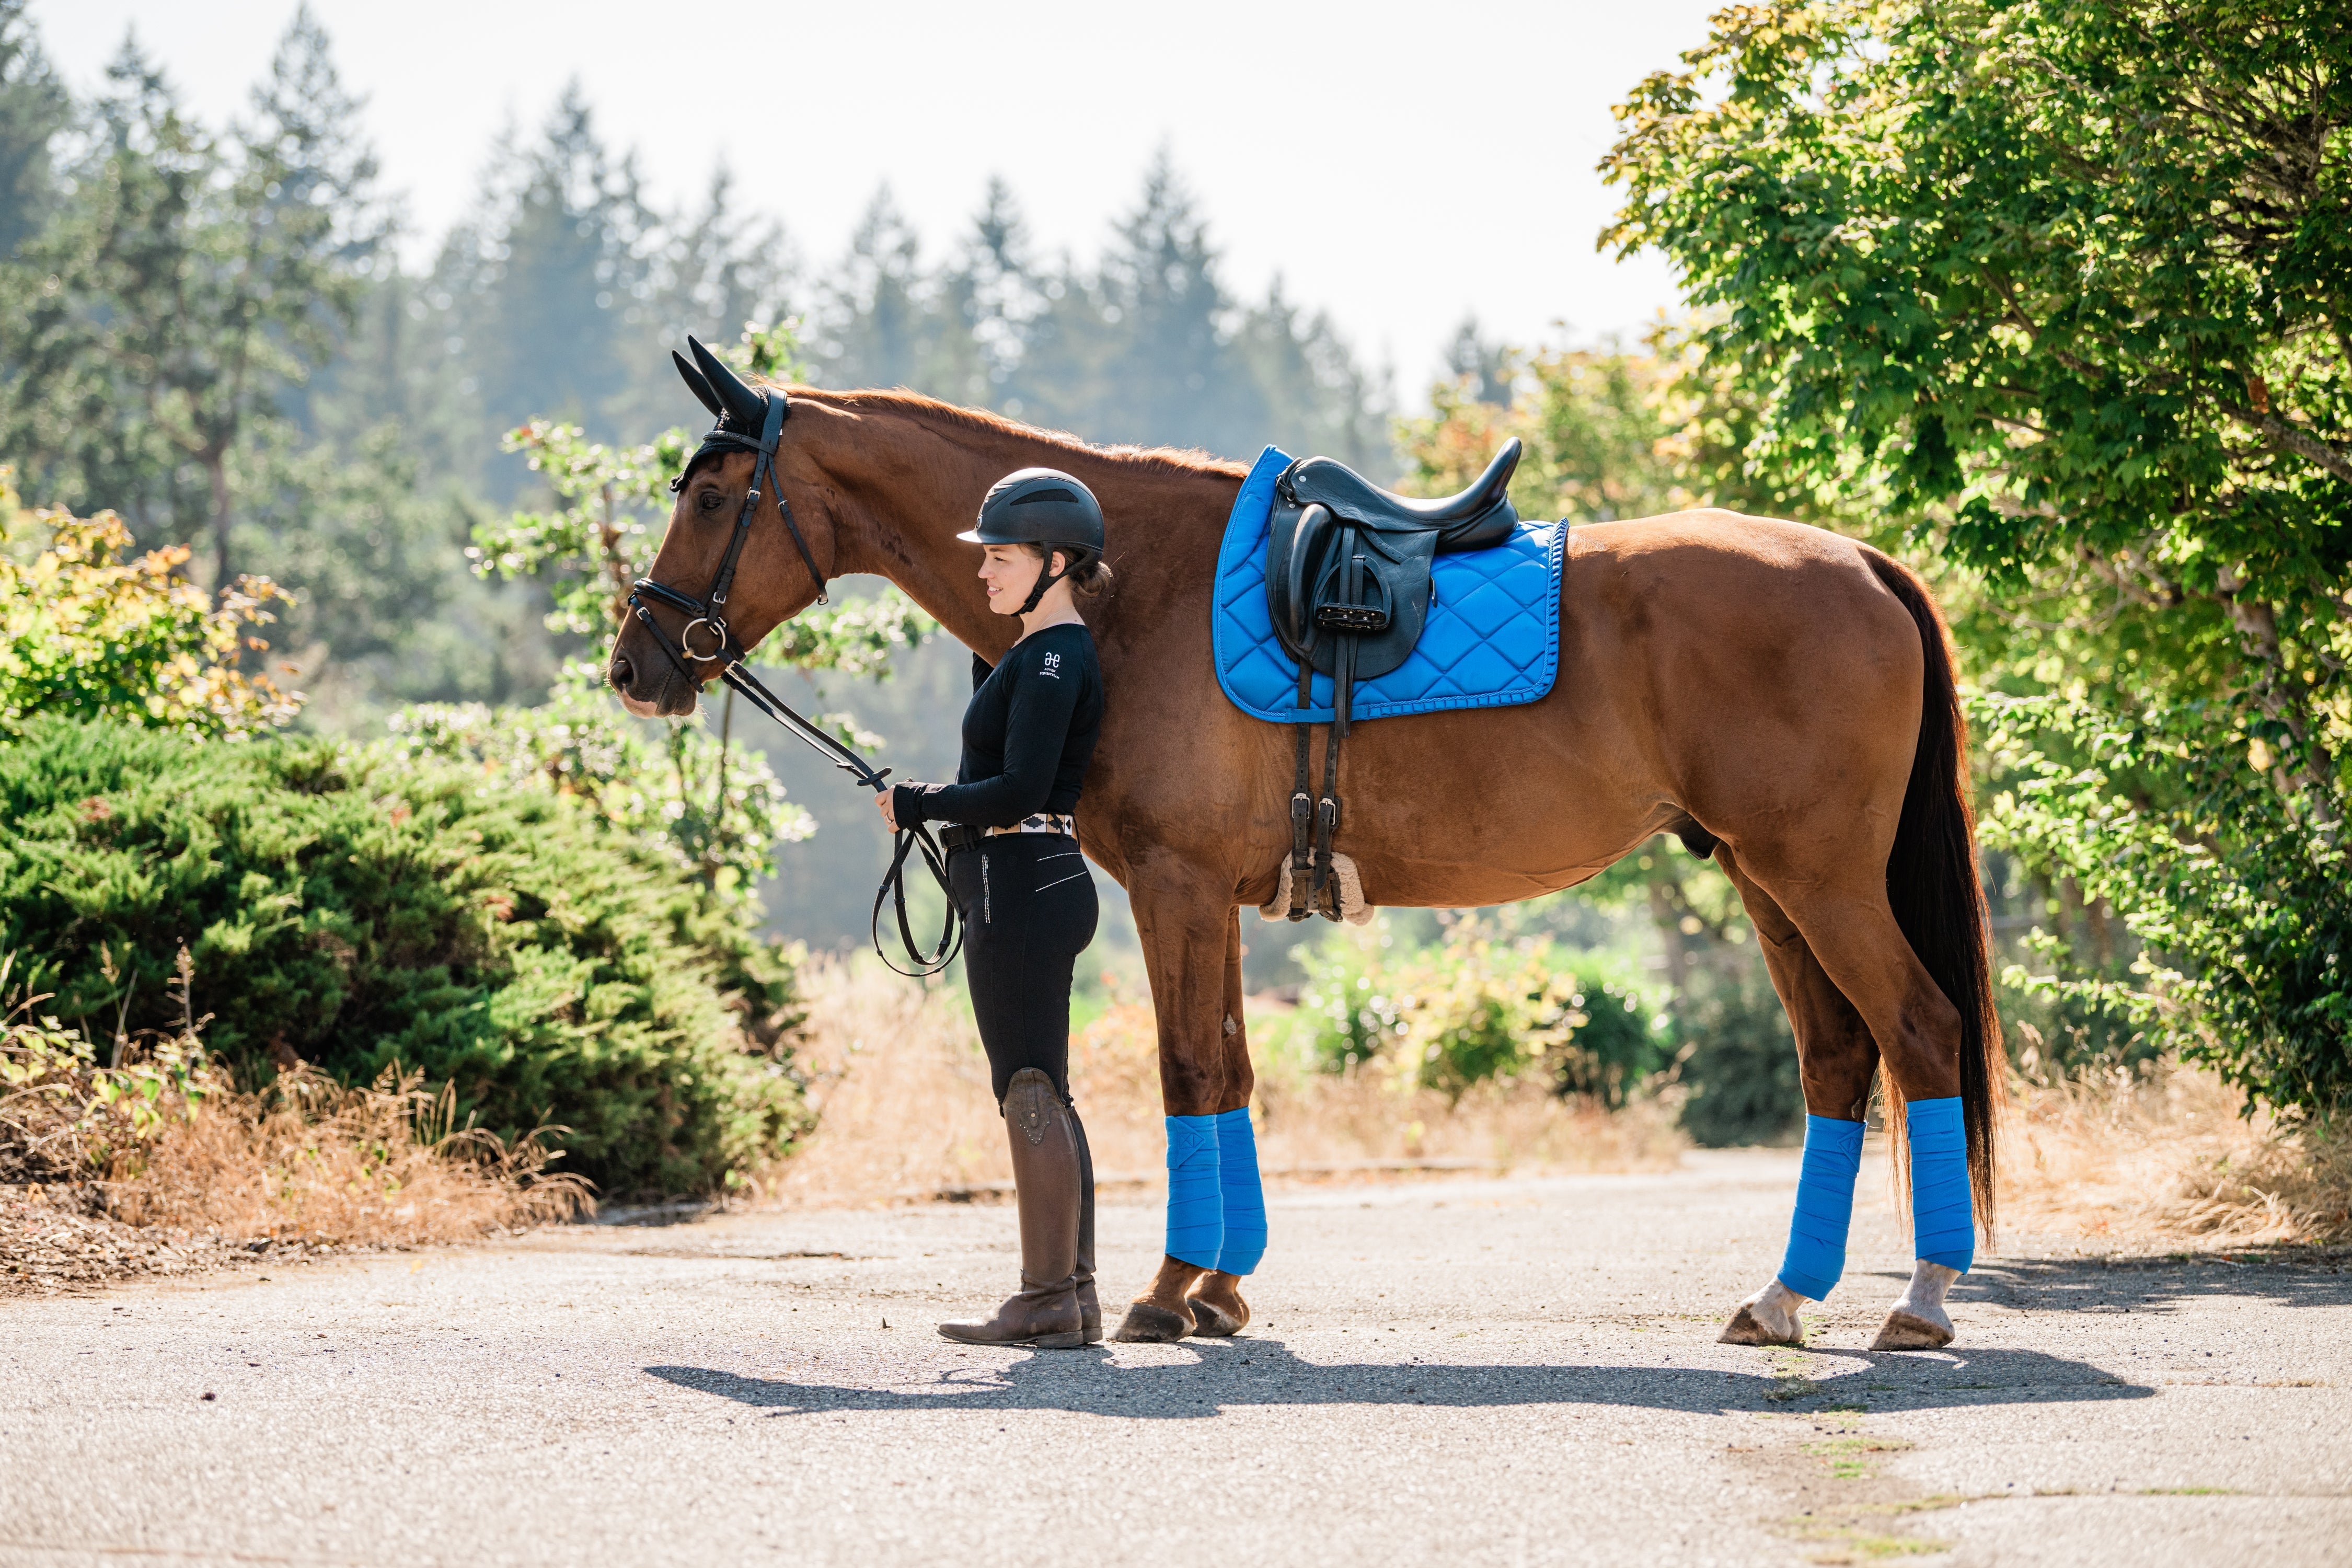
{"x":880,"y":329}
{"x":198,"y":281}
{"x":1176,"y":379}
{"x":1483,"y":363}
{"x":1319,"y":398}
{"x":990,"y":301}
{"x":34,"y":108}
{"x":103,"y":308}
{"x":548,"y":285}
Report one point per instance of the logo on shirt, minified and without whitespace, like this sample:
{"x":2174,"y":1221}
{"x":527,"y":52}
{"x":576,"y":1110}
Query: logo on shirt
{"x":1053,"y":665}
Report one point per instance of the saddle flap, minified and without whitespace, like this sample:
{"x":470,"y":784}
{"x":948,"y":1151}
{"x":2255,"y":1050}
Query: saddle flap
{"x":1297,"y":538}
{"x":1326,"y":577}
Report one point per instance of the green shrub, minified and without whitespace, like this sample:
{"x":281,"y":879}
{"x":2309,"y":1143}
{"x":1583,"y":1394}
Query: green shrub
{"x":665,"y":791}
{"x":1476,"y":1008}
{"x":1738,"y":1058}
{"x":1348,"y":1013}
{"x":1622,"y":1042}
{"x":87,"y":630}
{"x":2231,"y":874}
{"x":352,"y":909}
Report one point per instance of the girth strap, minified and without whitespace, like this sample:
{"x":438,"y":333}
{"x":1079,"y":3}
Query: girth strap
{"x":1345,"y":613}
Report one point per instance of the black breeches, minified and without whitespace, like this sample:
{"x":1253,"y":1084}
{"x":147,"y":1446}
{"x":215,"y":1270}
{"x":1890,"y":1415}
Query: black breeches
{"x":1028,"y":905}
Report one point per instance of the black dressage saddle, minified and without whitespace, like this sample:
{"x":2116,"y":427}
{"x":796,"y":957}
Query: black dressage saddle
{"x":1348,"y":579}
{"x":1348,"y":563}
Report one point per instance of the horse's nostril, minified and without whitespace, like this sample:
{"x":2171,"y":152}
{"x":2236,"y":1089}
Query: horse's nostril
{"x":621,"y":673}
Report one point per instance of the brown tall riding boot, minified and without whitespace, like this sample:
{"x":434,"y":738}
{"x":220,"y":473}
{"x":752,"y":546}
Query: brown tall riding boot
{"x":1089,"y":1305}
{"x":1045,"y":1189}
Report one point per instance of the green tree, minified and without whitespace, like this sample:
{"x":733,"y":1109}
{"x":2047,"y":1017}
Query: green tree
{"x":879,"y":317}
{"x":2063,"y":285}
{"x":1318,"y":396}
{"x":547,"y":283}
{"x":190,"y":280}
{"x":1172,"y":319}
{"x":34,"y":108}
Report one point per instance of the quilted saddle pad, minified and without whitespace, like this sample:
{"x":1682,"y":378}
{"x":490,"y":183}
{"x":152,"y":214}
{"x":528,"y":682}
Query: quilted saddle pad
{"x":1492,"y":639}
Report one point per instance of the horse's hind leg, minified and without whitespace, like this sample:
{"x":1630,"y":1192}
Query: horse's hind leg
{"x":1837,"y":1059}
{"x":1849,"y":927}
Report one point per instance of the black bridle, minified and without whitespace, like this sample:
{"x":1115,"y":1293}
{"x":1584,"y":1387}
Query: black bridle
{"x":710,"y":612}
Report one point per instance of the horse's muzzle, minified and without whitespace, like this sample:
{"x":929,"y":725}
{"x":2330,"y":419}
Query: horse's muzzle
{"x":667,"y":695}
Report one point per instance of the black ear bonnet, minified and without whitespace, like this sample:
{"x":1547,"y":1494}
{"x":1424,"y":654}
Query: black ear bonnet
{"x":743,"y":411}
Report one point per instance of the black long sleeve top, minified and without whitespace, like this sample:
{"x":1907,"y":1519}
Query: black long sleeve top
{"x":1028,"y":735}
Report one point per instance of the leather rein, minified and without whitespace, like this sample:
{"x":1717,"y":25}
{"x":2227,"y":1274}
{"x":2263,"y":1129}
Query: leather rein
{"x":710,"y":613}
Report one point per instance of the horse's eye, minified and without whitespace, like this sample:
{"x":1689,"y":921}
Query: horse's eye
{"x":709,"y":500}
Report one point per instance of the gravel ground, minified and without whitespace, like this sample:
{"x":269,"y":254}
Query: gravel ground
{"x":1458,"y":1371}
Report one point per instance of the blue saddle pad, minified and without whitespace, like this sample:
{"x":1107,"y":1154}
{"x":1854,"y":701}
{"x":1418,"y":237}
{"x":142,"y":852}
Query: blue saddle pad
{"x":1492,"y":638}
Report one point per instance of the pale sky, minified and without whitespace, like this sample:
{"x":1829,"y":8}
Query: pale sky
{"x":1399,"y":165}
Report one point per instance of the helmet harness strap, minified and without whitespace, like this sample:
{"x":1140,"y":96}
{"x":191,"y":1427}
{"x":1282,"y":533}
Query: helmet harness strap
{"x":1047,"y":576}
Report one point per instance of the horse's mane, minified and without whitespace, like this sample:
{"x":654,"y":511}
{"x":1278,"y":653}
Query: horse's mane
{"x":1172,"y":460}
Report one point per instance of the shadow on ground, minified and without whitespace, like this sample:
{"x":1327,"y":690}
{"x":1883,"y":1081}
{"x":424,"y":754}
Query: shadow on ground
{"x":1258,"y":1371}
{"x":2287,"y":1278}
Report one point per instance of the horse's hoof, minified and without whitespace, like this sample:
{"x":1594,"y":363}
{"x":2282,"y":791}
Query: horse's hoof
{"x":1147,"y":1323}
{"x":1217,"y":1308}
{"x":1906,"y":1331}
{"x":1747,"y":1329}
{"x":1213,"y":1322}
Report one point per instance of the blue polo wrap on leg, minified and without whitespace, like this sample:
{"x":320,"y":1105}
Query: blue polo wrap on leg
{"x":1816,"y":1254}
{"x":1244,"y":1199}
{"x":1942,"y":1222}
{"x":1196,"y":1207}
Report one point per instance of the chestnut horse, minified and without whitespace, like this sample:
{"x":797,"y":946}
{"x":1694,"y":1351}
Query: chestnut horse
{"x":1779,"y":693}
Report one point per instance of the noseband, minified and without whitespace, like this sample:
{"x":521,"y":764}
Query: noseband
{"x":710,"y":613}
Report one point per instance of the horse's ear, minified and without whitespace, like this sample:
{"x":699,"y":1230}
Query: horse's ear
{"x":697,"y":385}
{"x":747,"y":408}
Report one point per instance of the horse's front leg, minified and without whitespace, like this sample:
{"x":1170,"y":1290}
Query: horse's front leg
{"x":1217,"y":1219}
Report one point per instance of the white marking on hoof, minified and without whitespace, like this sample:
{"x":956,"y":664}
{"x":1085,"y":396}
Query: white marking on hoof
{"x":1918,"y":1322}
{"x":1767,"y":1318}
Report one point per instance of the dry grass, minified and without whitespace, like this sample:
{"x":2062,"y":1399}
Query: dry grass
{"x":310,"y":1159}
{"x":157,"y":1166}
{"x":2161,"y":1157}
{"x":901,"y":1092}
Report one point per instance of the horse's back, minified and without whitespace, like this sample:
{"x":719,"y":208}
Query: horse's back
{"x":1753,"y":658}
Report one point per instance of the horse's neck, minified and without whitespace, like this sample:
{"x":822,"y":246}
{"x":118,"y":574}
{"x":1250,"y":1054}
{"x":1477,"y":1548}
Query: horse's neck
{"x":908,"y":502}
{"x":1165,"y":522}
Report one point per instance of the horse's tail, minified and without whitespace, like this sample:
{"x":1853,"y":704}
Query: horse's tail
{"x":1932,"y":882}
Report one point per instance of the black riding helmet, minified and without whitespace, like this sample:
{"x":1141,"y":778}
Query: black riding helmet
{"x":1046,"y":507}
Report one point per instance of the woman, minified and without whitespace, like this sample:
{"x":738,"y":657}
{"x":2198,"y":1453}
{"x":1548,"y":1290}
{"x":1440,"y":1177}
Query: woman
{"x":1022,"y":887}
